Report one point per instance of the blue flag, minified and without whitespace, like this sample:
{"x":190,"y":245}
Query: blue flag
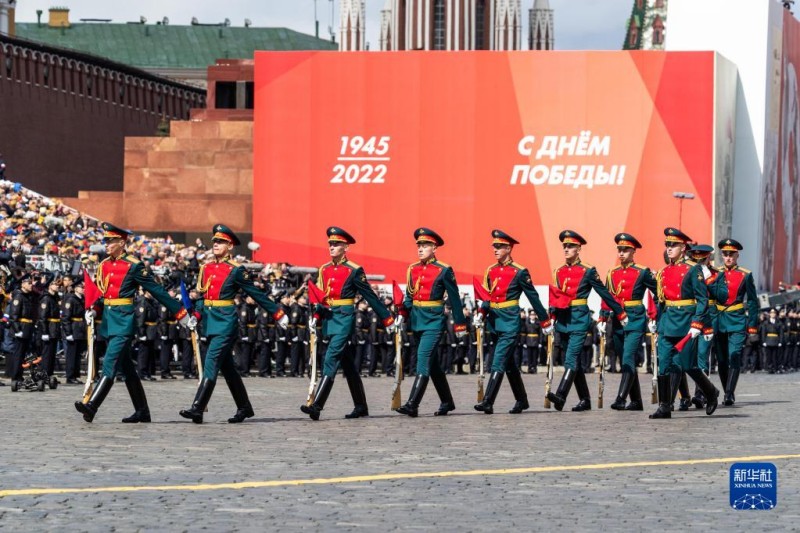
{"x":187,"y":302}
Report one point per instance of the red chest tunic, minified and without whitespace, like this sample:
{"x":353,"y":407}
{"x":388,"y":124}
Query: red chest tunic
{"x":734,"y":279}
{"x":623,"y":279}
{"x":333,"y":280}
{"x":568,"y":278}
{"x":112,"y":274}
{"x":422,"y":279}
{"x":213,"y":278}
{"x":499,"y":277}
{"x":672,"y":280}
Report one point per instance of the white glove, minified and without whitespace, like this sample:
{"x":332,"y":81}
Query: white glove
{"x":706,"y":272}
{"x":601,"y":327}
{"x":18,"y":334}
{"x":45,"y":338}
{"x":282,"y":339}
{"x":283,"y":323}
{"x":624,"y":322}
{"x":453,"y":345}
{"x":548,"y":330}
{"x":295,"y":338}
{"x":477,"y":319}
{"x":708,"y":336}
{"x":398,"y":320}
{"x":70,"y":338}
{"x":391,"y":328}
{"x":652,"y":326}
{"x":780,"y":344}
{"x":140,"y":338}
{"x":694,"y":332}
{"x":245,"y":339}
{"x":89,"y":316}
{"x":362,"y":342}
{"x":312,"y":322}
{"x":461,"y":334}
{"x":189,"y":322}
{"x":204,"y":339}
{"x":305,"y":342}
{"x":163,"y":337}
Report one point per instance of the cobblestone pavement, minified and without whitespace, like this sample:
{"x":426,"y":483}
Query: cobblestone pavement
{"x":46,"y":444}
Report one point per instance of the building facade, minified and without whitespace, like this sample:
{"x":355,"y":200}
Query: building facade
{"x":646,"y":29}
{"x":541,"y":32}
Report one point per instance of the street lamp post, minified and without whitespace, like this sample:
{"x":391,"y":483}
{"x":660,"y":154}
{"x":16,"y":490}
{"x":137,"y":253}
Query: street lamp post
{"x":681,"y":196}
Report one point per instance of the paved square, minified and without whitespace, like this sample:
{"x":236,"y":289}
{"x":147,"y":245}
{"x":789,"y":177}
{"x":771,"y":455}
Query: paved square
{"x":575,"y":471}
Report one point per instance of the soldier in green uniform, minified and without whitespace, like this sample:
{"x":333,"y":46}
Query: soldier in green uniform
{"x":628,"y":282}
{"x":119,"y":277}
{"x":701,"y":255}
{"x":340,"y":280}
{"x":220,"y":280}
{"x":683,"y":297}
{"x":506,"y":281}
{"x":427,"y":282}
{"x":737,"y":302}
{"x":573,"y":281}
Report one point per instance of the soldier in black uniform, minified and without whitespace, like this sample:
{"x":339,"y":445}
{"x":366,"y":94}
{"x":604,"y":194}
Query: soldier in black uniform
{"x":185,"y":345}
{"x":49,"y":325}
{"x":168,"y":335}
{"x":21,"y":317}
{"x":771,"y":333}
{"x":794,"y":350}
{"x":73,"y":326}
{"x":298,"y":331}
{"x":750,"y":352}
{"x":147,"y":332}
{"x":361,"y":335}
{"x":282,"y":345}
{"x":264,"y":328}
{"x":533,"y":341}
{"x":247,"y":335}
{"x":387,"y":354}
{"x":788,"y":341}
{"x":409,"y":351}
{"x":375,"y":343}
{"x":472,"y":341}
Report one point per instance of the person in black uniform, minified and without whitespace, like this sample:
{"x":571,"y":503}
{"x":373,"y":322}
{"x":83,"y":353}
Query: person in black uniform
{"x":73,"y":325}
{"x":247,"y":335}
{"x":771,"y":333}
{"x":298,"y":320}
{"x":49,"y":325}
{"x":147,"y":331}
{"x":282,"y":346}
{"x":533,"y":341}
{"x":361,"y":335}
{"x":264,"y":343}
{"x":168,"y":335}
{"x":21,"y":317}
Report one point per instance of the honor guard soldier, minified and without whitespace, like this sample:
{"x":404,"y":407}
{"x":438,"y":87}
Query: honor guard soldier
{"x":701,"y":255}
{"x":50,"y":325}
{"x":772,"y":337}
{"x":628,"y":282}
{"x":147,"y":326}
{"x":118,"y":278}
{"x":73,"y":326}
{"x":506,"y":281}
{"x":247,"y":334}
{"x":737,"y":303}
{"x":574,"y":280}
{"x":220,"y":280}
{"x":683,"y":297}
{"x":340,"y":280}
{"x":426,"y":284}
{"x":21,"y":316}
{"x":168,"y":335}
{"x":264,"y":343}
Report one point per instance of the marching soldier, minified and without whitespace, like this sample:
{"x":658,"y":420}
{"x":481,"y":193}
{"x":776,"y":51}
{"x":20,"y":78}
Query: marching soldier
{"x":340,"y":279}
{"x":683,"y":296}
{"x":506,"y":281}
{"x":21,"y":316}
{"x":74,"y":329}
{"x":168,"y":333}
{"x":50,"y":325}
{"x":628,"y":282}
{"x":119,"y":276}
{"x":427,"y":282}
{"x":733,"y":287}
{"x":220,"y":279}
{"x":574,"y":281}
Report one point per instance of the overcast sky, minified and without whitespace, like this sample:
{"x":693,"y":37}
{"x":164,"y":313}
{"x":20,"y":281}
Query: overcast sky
{"x":580,"y":24}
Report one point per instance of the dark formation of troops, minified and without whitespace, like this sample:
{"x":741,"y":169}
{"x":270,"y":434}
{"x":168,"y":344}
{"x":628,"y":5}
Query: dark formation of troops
{"x":688,"y":319}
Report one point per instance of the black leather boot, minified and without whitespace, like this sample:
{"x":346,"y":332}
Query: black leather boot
{"x":356,"y":387}
{"x":625,"y":384}
{"x":733,"y":379}
{"x":201,"y":398}
{"x":411,"y":406}
{"x":89,"y":409}
{"x":518,"y":388}
{"x":665,"y":397}
{"x":139,"y":400}
{"x":323,"y":391}
{"x":446,"y":403}
{"x":560,"y":397}
{"x":492,"y":388}
{"x":710,"y":391}
{"x":636,"y":395}
{"x":243,"y":408}
{"x":582,"y":388}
